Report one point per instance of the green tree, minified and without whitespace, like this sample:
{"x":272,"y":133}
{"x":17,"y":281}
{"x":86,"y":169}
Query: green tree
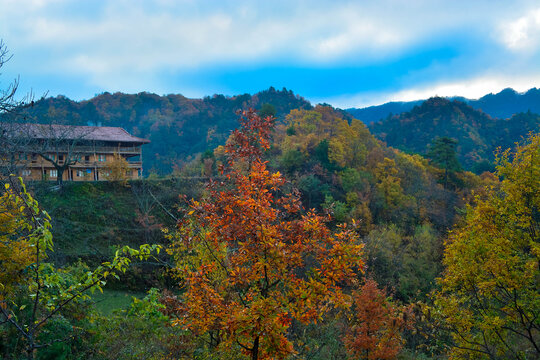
{"x":33,"y":292}
{"x":267,"y":110}
{"x":489,"y":293}
{"x":442,"y":153}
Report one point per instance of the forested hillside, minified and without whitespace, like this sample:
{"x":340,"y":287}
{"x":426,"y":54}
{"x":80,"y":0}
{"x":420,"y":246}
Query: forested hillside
{"x":478,"y":135}
{"x":375,"y":113}
{"x":177,"y":127}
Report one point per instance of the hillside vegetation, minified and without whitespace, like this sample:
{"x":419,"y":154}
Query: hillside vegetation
{"x":478,"y":135}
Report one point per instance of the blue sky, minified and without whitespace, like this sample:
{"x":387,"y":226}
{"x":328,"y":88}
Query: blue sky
{"x":346,"y":53}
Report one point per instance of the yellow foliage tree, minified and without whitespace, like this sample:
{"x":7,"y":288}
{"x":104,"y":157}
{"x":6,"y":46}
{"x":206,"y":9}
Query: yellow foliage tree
{"x":489,"y":293}
{"x":118,"y":170}
{"x":15,"y":250}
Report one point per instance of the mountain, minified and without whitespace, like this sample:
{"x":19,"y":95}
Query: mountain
{"x":178,"y":127}
{"x":501,"y":105}
{"x":478,"y":134}
{"x":508,"y":102}
{"x":376,"y":113}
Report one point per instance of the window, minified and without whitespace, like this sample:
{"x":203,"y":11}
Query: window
{"x":80,"y":173}
{"x":87,"y":158}
{"x":26,"y":172}
{"x":60,"y":158}
{"x":53,"y":173}
{"x":102,"y":157}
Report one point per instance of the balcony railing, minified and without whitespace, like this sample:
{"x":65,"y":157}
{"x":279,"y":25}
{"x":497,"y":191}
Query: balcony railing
{"x":86,"y":164}
{"x":98,"y":150}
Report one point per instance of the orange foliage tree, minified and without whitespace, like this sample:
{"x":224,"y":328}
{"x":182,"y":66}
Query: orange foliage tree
{"x":375,"y":332}
{"x":252,"y":260}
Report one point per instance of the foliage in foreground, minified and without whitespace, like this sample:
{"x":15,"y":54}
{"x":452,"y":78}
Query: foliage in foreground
{"x":34,"y":294}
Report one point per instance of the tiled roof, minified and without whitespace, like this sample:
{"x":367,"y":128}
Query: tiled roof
{"x":71,"y":132}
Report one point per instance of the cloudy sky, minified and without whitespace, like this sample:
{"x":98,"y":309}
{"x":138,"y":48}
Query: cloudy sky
{"x":346,"y":53}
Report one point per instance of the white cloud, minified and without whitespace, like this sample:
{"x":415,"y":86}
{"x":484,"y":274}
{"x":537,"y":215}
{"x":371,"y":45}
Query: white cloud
{"x":523,"y":33}
{"x":126,"y":33}
{"x":123,"y":44}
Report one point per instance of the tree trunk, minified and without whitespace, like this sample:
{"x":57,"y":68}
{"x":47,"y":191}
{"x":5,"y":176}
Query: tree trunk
{"x":60,"y":175}
{"x":255,"y":350}
{"x":30,"y":349}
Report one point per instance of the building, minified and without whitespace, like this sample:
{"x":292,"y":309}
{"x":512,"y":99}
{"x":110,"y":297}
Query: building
{"x":85,"y":153}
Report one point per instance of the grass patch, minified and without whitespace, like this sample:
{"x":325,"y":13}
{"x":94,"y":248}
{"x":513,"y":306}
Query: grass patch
{"x":112,"y":300}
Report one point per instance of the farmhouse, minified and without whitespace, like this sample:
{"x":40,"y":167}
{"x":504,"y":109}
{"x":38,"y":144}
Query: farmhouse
{"x":82,"y":153}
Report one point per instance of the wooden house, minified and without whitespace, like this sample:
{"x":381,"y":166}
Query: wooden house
{"x":85,"y":153}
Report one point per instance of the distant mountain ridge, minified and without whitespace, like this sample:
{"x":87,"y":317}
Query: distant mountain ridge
{"x":501,"y":105}
{"x":477,"y":133}
{"x":508,"y":102}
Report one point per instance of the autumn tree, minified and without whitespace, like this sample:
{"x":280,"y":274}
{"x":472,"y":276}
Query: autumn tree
{"x":375,"y":331}
{"x":489,"y":293}
{"x":252,"y":260}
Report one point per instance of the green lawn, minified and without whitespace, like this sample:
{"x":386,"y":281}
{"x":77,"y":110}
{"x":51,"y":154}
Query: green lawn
{"x":112,"y":300}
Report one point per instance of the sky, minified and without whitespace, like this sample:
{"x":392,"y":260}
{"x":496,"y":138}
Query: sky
{"x":345,"y":53}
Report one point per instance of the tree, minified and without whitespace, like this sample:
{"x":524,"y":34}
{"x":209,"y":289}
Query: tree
{"x":389,"y":187}
{"x":375,"y":332}
{"x":252,"y":261}
{"x":34,"y":292}
{"x":443,"y":153}
{"x":117,"y":169}
{"x":60,"y":145}
{"x":8,"y":102}
{"x":10,"y":161}
{"x":489,"y":293}
{"x":267,"y":110}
